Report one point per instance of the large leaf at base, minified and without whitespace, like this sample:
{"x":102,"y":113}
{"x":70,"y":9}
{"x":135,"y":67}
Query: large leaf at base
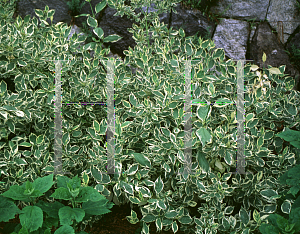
{"x":31,"y":217}
{"x":8,"y":209}
{"x":97,"y":208}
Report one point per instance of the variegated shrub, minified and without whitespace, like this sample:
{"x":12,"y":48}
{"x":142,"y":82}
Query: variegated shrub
{"x":149,"y":137}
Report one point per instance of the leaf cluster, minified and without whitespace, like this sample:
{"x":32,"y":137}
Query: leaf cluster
{"x":41,"y":216}
{"x":150,"y":157}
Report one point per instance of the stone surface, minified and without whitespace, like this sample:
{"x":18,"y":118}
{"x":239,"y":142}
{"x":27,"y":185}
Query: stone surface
{"x":231,"y":30}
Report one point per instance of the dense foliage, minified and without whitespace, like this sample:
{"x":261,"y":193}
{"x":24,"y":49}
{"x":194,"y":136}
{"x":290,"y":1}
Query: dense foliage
{"x":149,"y":123}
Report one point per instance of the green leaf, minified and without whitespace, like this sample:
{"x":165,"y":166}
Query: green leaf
{"x":15,"y":192}
{"x":66,"y":138}
{"x":204,"y":135}
{"x":43,"y":184}
{"x":68,"y":214}
{"x":267,"y":193}
{"x":99,"y":32}
{"x":128,"y":188}
{"x":31,"y":217}
{"x":100,"y":6}
{"x":3,"y":86}
{"x":228,"y":158}
{"x":256,"y":216}
{"x":244,"y":216}
{"x":143,"y":160}
{"x":202,"y":112}
{"x":8,"y":209}
{"x":134,"y":200}
{"x":65,"y":229}
{"x":267,"y":228}
{"x":88,"y":193}
{"x":158,"y":185}
{"x":96,"y":126}
{"x":112,"y":38}
{"x":92,"y":22}
{"x":148,"y":218}
{"x":50,"y":208}
{"x":11,"y":126}
{"x":274,"y":70}
{"x":62,"y":193}
{"x":174,"y":227}
{"x":185,"y":219}
{"x":126,"y":104}
{"x":133,"y":99}
{"x":291,"y":136}
{"x":201,"y":186}
{"x":40,"y":139}
{"x":125,"y":124}
{"x":203,"y":163}
{"x":295,"y":218}
{"x":171,"y":214}
{"x":97,"y":208}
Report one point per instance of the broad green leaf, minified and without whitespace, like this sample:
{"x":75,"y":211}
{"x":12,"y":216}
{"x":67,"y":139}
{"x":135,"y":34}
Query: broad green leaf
{"x":158,"y":224}
{"x":67,"y":215}
{"x":133,"y":169}
{"x":43,"y":184}
{"x":126,"y":104}
{"x":8,"y":209}
{"x":274,"y":70}
{"x":31,"y":217}
{"x":15,"y":192}
{"x":201,"y":186}
{"x":88,"y":194}
{"x":204,"y":136}
{"x":62,"y":193}
{"x":228,"y":210}
{"x":64,"y":229}
{"x":203,"y":163}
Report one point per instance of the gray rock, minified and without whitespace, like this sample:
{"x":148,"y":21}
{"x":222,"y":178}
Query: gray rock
{"x":232,"y":32}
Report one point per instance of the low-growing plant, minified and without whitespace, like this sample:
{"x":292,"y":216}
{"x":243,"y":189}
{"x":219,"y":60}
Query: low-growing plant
{"x":278,"y":224}
{"x":75,"y":6}
{"x":31,"y":216}
{"x":151,"y":144}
